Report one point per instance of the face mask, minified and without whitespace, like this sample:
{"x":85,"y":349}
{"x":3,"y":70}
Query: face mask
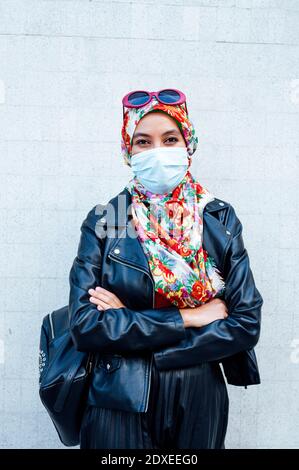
{"x":160,"y":169}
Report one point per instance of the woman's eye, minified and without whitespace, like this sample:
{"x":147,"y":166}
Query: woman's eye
{"x":141,"y":141}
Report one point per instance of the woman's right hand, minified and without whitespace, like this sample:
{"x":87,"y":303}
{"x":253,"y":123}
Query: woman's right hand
{"x":204,"y":314}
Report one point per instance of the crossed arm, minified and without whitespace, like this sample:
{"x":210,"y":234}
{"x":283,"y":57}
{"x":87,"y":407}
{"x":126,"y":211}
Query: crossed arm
{"x":100,"y":322}
{"x":112,"y":327}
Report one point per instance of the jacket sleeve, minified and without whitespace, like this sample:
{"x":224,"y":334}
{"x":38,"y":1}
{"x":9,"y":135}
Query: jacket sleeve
{"x":240,"y":330}
{"x":114,"y":330}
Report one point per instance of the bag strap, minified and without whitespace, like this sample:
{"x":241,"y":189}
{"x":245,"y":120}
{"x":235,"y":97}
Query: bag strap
{"x":65,"y":388}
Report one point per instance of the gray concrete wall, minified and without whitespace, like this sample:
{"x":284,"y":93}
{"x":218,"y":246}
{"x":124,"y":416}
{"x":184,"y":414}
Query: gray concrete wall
{"x":237,"y":62}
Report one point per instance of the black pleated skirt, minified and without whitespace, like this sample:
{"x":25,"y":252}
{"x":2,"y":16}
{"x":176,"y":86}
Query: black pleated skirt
{"x":188,"y":409}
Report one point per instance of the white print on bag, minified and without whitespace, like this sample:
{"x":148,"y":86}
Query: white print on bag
{"x":42,"y":361}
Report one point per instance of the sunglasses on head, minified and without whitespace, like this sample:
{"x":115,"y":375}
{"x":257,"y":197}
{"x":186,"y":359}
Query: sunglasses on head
{"x":169,"y":96}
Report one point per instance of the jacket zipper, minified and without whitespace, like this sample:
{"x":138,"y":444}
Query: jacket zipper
{"x":89,"y":363}
{"x":151,"y":360}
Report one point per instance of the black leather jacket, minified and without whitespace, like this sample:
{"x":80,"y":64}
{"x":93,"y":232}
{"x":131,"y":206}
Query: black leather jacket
{"x":126,"y":340}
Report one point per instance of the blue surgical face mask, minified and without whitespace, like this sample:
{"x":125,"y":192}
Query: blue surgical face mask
{"x":160,"y":169}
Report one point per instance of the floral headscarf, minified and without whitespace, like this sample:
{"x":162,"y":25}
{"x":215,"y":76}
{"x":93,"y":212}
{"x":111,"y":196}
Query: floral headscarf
{"x":132,"y":117}
{"x":170,"y":225}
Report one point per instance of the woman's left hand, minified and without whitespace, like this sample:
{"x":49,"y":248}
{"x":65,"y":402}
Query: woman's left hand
{"x":104,"y":299}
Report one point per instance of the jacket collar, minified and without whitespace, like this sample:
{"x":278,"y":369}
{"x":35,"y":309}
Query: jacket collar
{"x":128,"y":249}
{"x":121,"y":204}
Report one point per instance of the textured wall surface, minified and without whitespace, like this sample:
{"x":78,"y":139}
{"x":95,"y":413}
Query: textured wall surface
{"x":64,"y":67}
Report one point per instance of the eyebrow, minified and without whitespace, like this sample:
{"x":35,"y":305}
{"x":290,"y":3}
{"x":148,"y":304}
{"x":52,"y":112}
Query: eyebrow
{"x":142,"y":134}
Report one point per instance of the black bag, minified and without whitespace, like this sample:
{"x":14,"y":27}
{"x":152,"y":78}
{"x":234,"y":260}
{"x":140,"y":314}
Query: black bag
{"x":64,"y":376}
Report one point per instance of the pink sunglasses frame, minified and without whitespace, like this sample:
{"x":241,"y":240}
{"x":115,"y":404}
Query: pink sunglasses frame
{"x":127,"y":104}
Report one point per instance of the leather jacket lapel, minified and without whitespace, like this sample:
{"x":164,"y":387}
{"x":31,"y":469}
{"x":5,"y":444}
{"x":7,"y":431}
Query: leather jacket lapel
{"x":215,"y":239}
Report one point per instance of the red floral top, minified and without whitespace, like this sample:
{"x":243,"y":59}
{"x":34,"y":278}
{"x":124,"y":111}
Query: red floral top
{"x":161,"y":301}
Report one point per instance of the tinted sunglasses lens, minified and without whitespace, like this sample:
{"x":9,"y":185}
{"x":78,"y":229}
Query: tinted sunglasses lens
{"x":138,"y":98}
{"x":169,"y":96}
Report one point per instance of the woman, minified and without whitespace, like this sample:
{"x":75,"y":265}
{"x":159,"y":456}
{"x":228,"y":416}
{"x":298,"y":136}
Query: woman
{"x":157,"y":382}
